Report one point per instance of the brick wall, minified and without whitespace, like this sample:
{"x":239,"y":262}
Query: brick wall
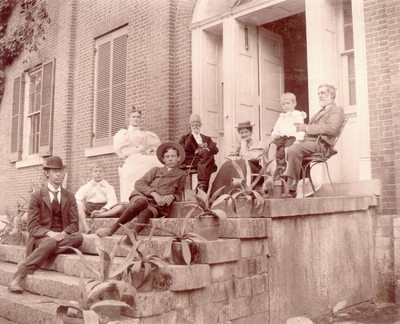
{"x":382,"y":20}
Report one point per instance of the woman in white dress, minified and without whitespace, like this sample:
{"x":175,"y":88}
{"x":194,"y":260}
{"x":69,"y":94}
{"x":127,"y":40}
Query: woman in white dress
{"x":138,"y":148}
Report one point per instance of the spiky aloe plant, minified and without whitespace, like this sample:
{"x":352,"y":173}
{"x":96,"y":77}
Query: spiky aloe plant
{"x":93,"y":292}
{"x":245,"y":187}
{"x":143,"y":259}
{"x":206,"y":204}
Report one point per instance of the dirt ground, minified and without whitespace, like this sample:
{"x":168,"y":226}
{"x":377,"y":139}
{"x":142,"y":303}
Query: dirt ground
{"x":365,"y":313}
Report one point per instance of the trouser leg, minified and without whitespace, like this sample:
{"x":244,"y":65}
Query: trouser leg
{"x":133,"y":209}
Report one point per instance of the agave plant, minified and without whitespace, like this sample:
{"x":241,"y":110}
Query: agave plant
{"x":206,"y":204}
{"x":187,"y":239}
{"x":95,"y":293}
{"x":143,"y":259}
{"x":244,"y":187}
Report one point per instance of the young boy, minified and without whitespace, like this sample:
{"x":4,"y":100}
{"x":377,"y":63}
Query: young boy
{"x":284,"y":133}
{"x":155,"y":191}
{"x":96,"y":198}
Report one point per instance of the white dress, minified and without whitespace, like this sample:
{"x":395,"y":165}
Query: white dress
{"x":139,"y":150}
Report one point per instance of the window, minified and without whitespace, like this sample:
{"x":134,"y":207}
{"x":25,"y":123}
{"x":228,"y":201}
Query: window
{"x":32,"y":116}
{"x":347,"y":53}
{"x":110,"y":88}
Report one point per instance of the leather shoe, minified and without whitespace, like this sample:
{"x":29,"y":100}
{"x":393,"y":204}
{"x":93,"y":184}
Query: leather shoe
{"x":15,"y":285}
{"x":290,"y":194}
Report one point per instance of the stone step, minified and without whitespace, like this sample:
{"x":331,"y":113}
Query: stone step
{"x":218,"y":251}
{"x":175,"y":278}
{"x":59,"y":286}
{"x":229,"y":228}
{"x":38,"y":309}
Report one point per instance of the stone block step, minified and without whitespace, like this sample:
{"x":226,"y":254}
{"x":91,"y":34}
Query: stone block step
{"x":38,"y":309}
{"x":218,"y":251}
{"x":63,"y":287}
{"x":229,"y":228}
{"x":175,"y":278}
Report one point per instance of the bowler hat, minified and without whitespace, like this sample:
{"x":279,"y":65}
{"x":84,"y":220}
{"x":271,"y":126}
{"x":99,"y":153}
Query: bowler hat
{"x":244,"y":124}
{"x":53,"y":162}
{"x":179,"y":147}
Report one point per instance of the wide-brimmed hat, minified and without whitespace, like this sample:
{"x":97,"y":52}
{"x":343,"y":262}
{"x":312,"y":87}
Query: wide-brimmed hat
{"x":53,"y":162}
{"x":244,"y":124}
{"x":179,"y":147}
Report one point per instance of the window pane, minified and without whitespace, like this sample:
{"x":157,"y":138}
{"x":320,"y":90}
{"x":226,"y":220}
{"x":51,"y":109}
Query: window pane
{"x":352,"y":78}
{"x":347,"y":12}
{"x":348,"y":37}
{"x":34,"y":136}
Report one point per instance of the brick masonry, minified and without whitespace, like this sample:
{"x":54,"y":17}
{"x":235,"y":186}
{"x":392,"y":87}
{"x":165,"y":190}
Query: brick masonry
{"x":159,"y":82}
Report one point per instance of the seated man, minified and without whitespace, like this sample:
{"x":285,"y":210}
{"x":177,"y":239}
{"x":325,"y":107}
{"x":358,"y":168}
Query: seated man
{"x":53,"y":223}
{"x":96,"y":198}
{"x":327,"y":123}
{"x":200,"y":150}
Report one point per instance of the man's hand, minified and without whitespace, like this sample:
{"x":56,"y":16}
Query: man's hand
{"x":167,"y":200}
{"x":58,"y":236}
{"x":157,"y":198}
{"x":300,"y":127}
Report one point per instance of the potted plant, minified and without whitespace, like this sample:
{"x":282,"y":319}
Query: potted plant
{"x":182,"y":247}
{"x":104,"y":296}
{"x":140,"y":273}
{"x":276,"y":184}
{"x":208,"y":218}
{"x":15,"y":231}
{"x":244,"y":198}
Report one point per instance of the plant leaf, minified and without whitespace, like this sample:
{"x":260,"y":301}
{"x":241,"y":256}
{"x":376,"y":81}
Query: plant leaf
{"x":220,"y":213}
{"x":238,"y":170}
{"x":168,"y":251}
{"x":105,"y":260}
{"x":202,"y":199}
{"x":219,"y":200}
{"x":129,"y":233}
{"x":100,"y":289}
{"x":216,"y":194}
{"x":83,"y":298}
{"x":187,"y":255}
{"x":127,"y":261}
{"x":109,"y":303}
{"x":90,"y":316}
{"x":86,"y":263}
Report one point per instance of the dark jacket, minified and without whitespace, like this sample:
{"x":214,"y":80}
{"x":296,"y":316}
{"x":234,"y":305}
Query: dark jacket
{"x":40,"y":215}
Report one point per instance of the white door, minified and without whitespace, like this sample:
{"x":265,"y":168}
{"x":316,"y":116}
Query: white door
{"x":271,"y":80}
{"x":211,"y":85}
{"x":246,"y":75}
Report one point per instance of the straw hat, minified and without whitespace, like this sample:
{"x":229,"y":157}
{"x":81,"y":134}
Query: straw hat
{"x":244,"y":124}
{"x":179,"y":147}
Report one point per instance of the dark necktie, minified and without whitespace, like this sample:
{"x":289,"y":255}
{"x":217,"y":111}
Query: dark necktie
{"x":55,"y":203}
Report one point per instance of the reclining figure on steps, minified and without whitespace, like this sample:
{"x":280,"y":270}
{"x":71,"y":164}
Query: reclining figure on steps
{"x":154,"y":192}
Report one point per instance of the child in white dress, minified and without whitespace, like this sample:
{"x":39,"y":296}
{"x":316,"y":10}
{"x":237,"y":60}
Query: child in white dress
{"x":284,"y":133}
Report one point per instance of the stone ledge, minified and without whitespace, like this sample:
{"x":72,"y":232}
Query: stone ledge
{"x":318,"y":205}
{"x":229,"y":228}
{"x":178,"y":277}
{"x":36,"y":308}
{"x":218,"y":251}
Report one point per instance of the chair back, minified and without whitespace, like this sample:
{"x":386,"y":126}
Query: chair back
{"x":340,"y":132}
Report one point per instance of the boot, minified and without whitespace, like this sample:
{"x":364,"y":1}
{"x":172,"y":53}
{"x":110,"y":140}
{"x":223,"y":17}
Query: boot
{"x":15,"y":285}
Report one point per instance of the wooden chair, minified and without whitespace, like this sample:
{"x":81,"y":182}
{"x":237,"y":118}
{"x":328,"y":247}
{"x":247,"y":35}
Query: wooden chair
{"x":317,"y":158}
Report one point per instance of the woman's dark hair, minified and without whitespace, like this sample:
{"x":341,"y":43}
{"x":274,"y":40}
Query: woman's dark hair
{"x":133,"y":110}
{"x":167,"y":148}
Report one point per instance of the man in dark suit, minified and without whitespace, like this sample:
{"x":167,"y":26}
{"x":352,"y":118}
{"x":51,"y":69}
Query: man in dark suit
{"x":200,"y":150}
{"x":326,"y":123}
{"x":53,"y":222}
